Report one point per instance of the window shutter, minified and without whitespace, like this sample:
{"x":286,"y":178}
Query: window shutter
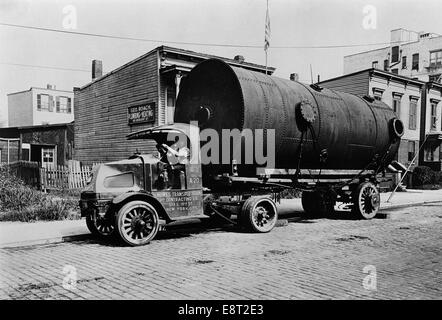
{"x":38,"y":102}
{"x":57,"y":108}
{"x":69,"y":106}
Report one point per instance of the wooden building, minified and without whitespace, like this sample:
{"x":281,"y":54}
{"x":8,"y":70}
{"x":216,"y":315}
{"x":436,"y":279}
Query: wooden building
{"x":49,"y":145}
{"x":135,"y":96}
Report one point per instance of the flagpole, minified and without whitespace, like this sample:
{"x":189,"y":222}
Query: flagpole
{"x":267,"y":19}
{"x":266,"y":61}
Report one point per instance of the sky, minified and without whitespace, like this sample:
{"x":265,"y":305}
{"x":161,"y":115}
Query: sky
{"x":232,"y":22}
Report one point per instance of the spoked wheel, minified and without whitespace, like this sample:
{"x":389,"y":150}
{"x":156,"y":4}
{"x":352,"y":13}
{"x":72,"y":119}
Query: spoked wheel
{"x":100,"y":226}
{"x":259,"y":214}
{"x":366,"y":201}
{"x":137,"y":223}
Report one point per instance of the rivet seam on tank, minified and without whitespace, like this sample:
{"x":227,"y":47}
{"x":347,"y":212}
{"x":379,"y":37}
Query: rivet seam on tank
{"x":257,"y":81}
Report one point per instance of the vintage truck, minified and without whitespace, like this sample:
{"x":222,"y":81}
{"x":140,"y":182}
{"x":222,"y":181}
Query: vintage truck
{"x":331,"y":145}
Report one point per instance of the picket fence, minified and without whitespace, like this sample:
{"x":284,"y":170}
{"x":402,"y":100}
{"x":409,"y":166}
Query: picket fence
{"x":63,"y":177}
{"x":72,"y":176}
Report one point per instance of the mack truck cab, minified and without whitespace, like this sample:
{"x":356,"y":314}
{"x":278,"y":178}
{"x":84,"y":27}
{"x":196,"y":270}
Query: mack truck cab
{"x":133,"y":198}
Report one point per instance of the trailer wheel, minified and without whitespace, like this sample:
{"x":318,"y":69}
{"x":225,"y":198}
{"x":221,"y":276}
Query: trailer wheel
{"x":137,"y":223}
{"x":366,"y":201}
{"x":100,"y":226}
{"x":259,"y":214}
{"x":316,"y":203}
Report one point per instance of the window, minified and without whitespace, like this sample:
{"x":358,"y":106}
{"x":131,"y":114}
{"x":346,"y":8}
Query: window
{"x":436,"y":59}
{"x":51,"y":103}
{"x":42,"y":102}
{"x":63,"y":105}
{"x":435,"y":78}
{"x":404,"y":62}
{"x":429,"y":154}
{"x":415,"y":62}
{"x":397,"y":105}
{"x":374,"y":64}
{"x":412,"y":116}
{"x":170,"y":104}
{"x":395,"y":54}
{"x":396,"y":71}
{"x":411,"y":150}
{"x":386,"y":65}
{"x":48,"y":157}
{"x":433,"y":116}
{"x":377,"y":93}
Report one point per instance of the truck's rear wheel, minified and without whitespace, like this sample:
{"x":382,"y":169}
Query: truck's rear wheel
{"x":100,"y":226}
{"x":259,"y":214}
{"x":137,"y":223}
{"x":366,"y":201}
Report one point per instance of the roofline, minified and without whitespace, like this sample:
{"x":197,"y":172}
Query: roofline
{"x":119,"y":68}
{"x":40,"y":126}
{"x":184,"y":52}
{"x":363,"y":52}
{"x":399,"y":43}
{"x":371,"y":71}
{"x":210,"y":56}
{"x":31,"y":88}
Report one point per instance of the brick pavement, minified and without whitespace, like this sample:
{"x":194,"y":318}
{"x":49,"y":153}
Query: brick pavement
{"x":307,"y":259}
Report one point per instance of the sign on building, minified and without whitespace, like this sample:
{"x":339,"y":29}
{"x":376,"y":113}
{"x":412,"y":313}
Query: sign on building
{"x":143,"y":113}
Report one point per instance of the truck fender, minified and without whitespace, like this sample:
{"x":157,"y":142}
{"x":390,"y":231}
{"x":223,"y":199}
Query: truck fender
{"x":121,"y":199}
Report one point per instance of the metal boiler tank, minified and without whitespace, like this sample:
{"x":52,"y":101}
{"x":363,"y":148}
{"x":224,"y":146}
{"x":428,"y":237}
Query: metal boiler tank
{"x":349,"y":130}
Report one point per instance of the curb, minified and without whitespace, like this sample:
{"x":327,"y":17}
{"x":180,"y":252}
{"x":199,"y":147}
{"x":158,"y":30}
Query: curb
{"x":86,"y":236}
{"x":35,"y":242}
{"x":410,"y":204}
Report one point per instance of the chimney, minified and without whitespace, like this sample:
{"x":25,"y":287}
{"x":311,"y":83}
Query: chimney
{"x":294,"y":77}
{"x":97,"y":69}
{"x":239,"y":58}
{"x":50,"y":86}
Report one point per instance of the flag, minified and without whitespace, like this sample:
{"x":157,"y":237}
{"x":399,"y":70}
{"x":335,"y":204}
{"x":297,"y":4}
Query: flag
{"x":267,"y":29}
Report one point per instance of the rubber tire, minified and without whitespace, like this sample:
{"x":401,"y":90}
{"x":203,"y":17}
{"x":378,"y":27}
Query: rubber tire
{"x":93,"y":229}
{"x":246,"y":218}
{"x":356,"y":211}
{"x":120,"y":217}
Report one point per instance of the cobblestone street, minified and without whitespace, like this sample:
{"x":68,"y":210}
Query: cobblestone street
{"x":306,"y":259}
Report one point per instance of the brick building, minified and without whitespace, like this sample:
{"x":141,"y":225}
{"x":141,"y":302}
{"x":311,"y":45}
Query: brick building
{"x":417,"y":104}
{"x":135,"y":96}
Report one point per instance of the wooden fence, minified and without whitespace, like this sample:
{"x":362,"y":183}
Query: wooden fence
{"x":64,"y":177}
{"x":73,"y":176}
{"x":25,"y":170}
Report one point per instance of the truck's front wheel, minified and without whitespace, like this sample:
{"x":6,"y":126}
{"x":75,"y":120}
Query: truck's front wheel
{"x":137,"y":223}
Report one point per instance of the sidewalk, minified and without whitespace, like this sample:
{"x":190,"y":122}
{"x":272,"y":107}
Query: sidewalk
{"x":14,"y":234}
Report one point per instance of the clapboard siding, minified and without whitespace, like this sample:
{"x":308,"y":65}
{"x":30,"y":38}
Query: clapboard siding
{"x":357,"y":83}
{"x":100,"y":111}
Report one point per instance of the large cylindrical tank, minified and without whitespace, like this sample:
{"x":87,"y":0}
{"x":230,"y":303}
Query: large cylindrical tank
{"x":353,"y":130}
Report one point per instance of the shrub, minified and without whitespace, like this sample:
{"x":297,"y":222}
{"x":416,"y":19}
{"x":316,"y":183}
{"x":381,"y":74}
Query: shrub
{"x":424,"y":175}
{"x":19,"y":202}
